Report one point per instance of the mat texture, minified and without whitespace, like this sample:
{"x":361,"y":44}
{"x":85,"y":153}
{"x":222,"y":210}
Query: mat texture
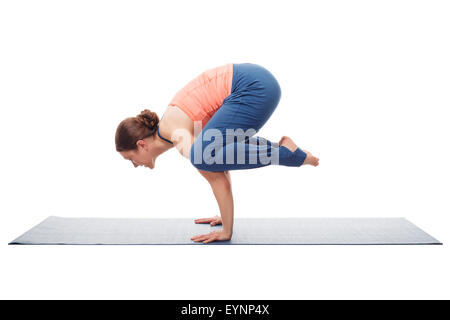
{"x":267,"y":231}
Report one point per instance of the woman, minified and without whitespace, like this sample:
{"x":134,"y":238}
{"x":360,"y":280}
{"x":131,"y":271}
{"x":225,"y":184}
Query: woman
{"x":212,"y":121}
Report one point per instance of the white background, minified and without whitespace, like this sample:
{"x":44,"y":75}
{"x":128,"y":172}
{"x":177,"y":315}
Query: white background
{"x":365,"y":87}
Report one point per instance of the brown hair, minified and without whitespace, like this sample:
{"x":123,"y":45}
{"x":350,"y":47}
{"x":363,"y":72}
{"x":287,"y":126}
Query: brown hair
{"x":136,"y":128}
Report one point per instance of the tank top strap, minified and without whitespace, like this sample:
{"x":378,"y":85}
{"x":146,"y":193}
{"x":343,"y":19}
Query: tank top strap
{"x":157,"y":129}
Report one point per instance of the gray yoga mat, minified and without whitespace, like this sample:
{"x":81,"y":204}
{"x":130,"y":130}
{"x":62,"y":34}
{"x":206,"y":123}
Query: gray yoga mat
{"x":267,"y":231}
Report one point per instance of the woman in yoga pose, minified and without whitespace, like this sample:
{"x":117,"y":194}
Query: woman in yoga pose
{"x":212,"y":121}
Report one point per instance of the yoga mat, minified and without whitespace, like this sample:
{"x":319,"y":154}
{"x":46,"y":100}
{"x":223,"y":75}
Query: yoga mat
{"x":267,"y":231}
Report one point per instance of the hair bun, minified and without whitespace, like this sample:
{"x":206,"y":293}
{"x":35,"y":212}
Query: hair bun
{"x":148,"y":118}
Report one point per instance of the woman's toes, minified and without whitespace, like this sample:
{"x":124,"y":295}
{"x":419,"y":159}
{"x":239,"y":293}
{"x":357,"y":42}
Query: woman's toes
{"x":316,"y":162}
{"x":310,"y":159}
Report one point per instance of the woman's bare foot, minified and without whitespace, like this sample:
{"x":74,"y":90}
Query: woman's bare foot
{"x":310,"y":159}
{"x":288,"y":143}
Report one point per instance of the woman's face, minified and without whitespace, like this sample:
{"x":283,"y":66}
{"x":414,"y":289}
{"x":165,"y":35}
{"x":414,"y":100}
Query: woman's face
{"x":143,"y":156}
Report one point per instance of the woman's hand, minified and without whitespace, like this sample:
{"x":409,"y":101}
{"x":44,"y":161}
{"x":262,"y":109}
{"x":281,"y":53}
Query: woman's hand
{"x":212,"y":221}
{"x":218,"y":235}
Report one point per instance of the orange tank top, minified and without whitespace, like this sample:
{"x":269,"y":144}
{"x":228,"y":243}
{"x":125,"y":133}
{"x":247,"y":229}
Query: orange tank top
{"x":203,"y":96}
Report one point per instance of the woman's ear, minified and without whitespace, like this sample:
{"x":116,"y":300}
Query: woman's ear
{"x":141,"y":144}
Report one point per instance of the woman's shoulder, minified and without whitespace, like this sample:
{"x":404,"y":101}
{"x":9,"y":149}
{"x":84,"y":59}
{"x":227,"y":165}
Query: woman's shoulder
{"x":175,"y":119}
{"x":175,"y":115}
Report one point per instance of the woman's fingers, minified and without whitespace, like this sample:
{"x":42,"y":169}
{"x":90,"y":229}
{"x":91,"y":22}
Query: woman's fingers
{"x":215,"y":220}
{"x":204,"y":220}
{"x":210,"y":239}
{"x":206,"y":238}
{"x":197,"y":236}
{"x":200,"y":237}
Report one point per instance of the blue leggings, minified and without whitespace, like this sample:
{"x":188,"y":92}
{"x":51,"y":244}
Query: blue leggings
{"x":228,"y":141}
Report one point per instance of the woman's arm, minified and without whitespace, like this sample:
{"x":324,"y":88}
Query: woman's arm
{"x":221,"y":185}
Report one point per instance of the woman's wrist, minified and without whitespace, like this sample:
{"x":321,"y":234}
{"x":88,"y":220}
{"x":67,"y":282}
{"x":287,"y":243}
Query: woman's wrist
{"x":227,"y":231}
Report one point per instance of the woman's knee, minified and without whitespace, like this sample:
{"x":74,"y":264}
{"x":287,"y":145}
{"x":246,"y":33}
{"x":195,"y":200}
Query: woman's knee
{"x":192,"y":154}
{"x":204,"y":155}
{"x":196,"y":155}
